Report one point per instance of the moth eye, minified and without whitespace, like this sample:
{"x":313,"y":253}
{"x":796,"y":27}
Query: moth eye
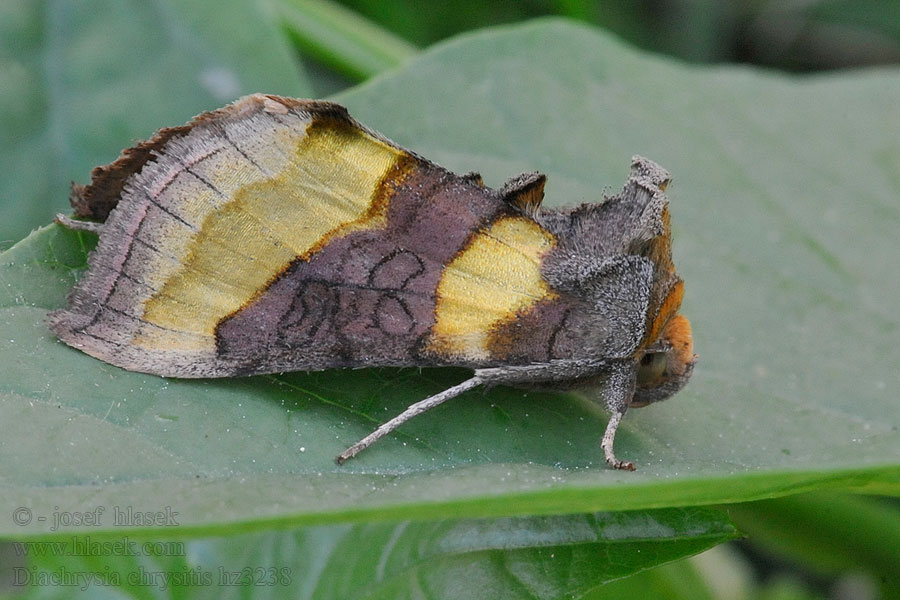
{"x":651,"y":368}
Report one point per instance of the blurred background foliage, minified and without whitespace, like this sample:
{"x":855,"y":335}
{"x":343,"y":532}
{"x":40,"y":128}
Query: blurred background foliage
{"x":341,"y":44}
{"x":795,"y":35}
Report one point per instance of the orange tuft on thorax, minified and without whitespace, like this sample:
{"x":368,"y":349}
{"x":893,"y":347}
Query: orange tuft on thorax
{"x":678,"y":334}
{"x":667,"y":310}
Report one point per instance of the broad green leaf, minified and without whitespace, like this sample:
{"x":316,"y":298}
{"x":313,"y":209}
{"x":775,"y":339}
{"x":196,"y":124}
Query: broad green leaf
{"x":785,"y":211}
{"x":522,"y":557}
{"x":79,"y":81}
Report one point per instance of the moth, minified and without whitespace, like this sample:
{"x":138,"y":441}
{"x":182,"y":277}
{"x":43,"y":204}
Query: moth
{"x":277,"y":234}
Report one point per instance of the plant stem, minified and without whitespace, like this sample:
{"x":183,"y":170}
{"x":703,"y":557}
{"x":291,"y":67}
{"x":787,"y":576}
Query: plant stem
{"x":341,"y":39}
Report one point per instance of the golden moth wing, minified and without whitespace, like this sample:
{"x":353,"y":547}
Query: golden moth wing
{"x":224,"y":206}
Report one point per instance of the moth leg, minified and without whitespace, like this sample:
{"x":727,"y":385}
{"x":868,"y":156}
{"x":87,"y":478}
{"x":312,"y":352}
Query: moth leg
{"x":71,"y":223}
{"x":554,"y":370}
{"x":416,"y":409}
{"x":609,"y":437}
{"x":618,"y":390}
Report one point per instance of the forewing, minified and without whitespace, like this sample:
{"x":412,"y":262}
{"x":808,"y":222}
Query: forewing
{"x":214,"y":213}
{"x":277,"y":234}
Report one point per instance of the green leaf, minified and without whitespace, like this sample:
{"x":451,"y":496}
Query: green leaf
{"x":79,"y":81}
{"x":675,"y":581}
{"x":785,"y":211}
{"x":525,"y":557}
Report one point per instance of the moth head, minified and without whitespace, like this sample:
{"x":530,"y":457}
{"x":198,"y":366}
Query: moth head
{"x":664,"y":366}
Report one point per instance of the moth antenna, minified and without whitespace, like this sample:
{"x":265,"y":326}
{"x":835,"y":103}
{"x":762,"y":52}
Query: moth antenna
{"x":415,"y":409}
{"x":71,"y":223}
{"x":609,"y":437}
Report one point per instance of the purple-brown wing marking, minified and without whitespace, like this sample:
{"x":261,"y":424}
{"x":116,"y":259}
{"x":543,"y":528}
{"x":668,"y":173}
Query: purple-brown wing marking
{"x":367,"y":297}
